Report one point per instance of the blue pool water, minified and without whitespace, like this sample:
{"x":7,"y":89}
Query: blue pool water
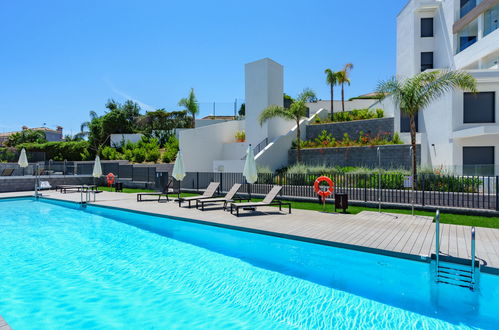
{"x":61,"y":267}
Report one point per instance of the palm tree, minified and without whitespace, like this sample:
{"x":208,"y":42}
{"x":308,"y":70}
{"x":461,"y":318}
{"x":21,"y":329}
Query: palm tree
{"x":332,"y":80}
{"x":416,"y":93}
{"x":296,"y":112}
{"x":191,"y":105}
{"x":342,"y":80}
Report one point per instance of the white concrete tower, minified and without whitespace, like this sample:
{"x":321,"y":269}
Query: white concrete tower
{"x":263,"y":87}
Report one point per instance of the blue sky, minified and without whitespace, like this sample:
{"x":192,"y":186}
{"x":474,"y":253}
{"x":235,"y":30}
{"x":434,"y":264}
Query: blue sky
{"x":60,"y":59}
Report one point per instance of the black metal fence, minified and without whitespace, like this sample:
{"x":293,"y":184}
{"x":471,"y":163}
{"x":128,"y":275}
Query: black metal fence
{"x":478,"y":192}
{"x":124,"y":172}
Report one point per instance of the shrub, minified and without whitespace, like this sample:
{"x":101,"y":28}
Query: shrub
{"x":240,"y":136}
{"x":110,"y":153}
{"x":139,"y":155}
{"x":74,"y":150}
{"x":152,"y":155}
{"x":171,"y":150}
{"x":356,"y":114}
{"x":8,"y":155}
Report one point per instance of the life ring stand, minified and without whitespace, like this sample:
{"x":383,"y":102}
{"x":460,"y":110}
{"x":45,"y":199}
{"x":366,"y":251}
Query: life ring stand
{"x":324,"y":193}
{"x":110,"y":179}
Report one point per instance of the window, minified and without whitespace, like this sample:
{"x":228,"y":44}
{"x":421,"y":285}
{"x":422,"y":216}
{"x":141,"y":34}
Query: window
{"x":427,"y":27}
{"x":426,"y":61}
{"x":478,"y":161}
{"x":479,"y":107}
{"x":467,"y":36}
{"x":491,"y":20}
{"x":466,"y":6}
{"x":405,"y":124}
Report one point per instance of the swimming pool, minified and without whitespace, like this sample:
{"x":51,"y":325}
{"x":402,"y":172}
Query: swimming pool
{"x":64,"y":267}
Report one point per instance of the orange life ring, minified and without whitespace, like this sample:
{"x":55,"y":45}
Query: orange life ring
{"x":110,"y":179}
{"x":324,"y":193}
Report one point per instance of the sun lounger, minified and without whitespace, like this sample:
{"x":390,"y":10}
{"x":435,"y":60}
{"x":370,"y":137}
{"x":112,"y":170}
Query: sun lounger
{"x":44,"y":185}
{"x":164,"y":192}
{"x":228,"y":198}
{"x":76,"y":188}
{"x":7,"y":172}
{"x":208,"y":193}
{"x":267,"y":201}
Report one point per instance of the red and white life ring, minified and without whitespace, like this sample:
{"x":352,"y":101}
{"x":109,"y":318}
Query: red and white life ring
{"x":110,"y":179}
{"x":324,"y":193}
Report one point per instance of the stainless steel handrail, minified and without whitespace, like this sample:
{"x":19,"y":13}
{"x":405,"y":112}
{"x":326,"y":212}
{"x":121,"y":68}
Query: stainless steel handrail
{"x":437,"y":239}
{"x":473,"y":255}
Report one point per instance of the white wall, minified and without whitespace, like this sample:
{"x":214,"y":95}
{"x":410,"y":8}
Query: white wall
{"x":263,"y":87}
{"x":201,"y":146}
{"x":275,"y":155}
{"x":118,"y":139}
{"x":229,"y":166}
{"x":206,"y":122}
{"x":349,"y":105}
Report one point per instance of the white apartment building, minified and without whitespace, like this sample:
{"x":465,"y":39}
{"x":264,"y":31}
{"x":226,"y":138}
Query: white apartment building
{"x":461,"y":130}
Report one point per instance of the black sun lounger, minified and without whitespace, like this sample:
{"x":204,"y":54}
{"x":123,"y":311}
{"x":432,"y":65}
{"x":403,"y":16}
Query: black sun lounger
{"x":208,"y":193}
{"x":267,"y":201}
{"x":164,"y":192}
{"x":228,"y":198}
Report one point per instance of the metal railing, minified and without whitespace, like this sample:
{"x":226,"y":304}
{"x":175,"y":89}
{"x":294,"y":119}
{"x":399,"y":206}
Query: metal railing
{"x":473,"y":255}
{"x":437,"y":239}
{"x":259,"y":147}
{"x":430,"y":190}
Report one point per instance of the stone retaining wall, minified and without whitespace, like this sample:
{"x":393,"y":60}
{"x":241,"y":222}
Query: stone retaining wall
{"x":392,"y":156}
{"x":372,"y":127}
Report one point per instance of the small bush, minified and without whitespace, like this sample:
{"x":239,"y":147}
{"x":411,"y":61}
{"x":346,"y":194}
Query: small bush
{"x":356,"y":114}
{"x":152,"y":155}
{"x":139,"y":155}
{"x":240,"y":136}
{"x":110,"y":153}
{"x":171,"y":150}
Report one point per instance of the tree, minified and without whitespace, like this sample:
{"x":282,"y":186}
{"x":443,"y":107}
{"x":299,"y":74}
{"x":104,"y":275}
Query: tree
{"x":418,"y":92}
{"x":26,"y":136}
{"x":242,"y":110}
{"x":161,"y":124}
{"x":191,"y":105}
{"x":332,"y":79}
{"x":296,"y":111}
{"x":343,"y":78}
{"x":120,"y":119}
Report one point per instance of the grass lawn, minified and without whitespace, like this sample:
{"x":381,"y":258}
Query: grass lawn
{"x":457,"y":219}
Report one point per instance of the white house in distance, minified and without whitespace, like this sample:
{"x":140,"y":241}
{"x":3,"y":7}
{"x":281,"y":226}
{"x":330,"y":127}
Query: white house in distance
{"x":460,"y":131}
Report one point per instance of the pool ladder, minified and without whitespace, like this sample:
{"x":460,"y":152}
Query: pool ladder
{"x":85,"y":197}
{"x":451,"y":272}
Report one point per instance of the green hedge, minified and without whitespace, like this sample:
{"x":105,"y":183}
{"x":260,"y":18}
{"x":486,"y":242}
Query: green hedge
{"x":77,"y":150}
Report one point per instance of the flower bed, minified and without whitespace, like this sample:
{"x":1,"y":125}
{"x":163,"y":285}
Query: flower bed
{"x":326,"y":140}
{"x":357,"y":114}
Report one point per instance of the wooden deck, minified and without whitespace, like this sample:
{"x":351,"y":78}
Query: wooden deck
{"x":392,"y":234}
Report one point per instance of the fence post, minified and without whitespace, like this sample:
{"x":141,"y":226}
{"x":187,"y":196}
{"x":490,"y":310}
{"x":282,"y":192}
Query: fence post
{"x":422,"y":189}
{"x":365,"y":187}
{"x":197,"y":182}
{"x":221,"y":186}
{"x":497,"y":193}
